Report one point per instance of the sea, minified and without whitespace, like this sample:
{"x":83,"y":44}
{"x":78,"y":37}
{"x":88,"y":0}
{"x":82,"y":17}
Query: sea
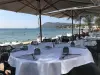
{"x":28,"y":34}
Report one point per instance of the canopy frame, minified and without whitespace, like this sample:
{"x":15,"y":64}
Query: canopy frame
{"x":80,"y":26}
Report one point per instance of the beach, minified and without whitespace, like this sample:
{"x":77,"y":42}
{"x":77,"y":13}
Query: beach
{"x":26,"y":42}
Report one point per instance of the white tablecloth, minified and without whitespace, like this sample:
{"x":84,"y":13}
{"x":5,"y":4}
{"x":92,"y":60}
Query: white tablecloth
{"x":48,"y":62}
{"x":83,"y":43}
{"x":92,"y":38}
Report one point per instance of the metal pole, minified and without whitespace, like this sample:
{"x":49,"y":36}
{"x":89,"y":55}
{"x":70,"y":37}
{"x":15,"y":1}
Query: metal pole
{"x":72,"y":26}
{"x":79,"y":27}
{"x":40,"y":25}
{"x":39,"y":5}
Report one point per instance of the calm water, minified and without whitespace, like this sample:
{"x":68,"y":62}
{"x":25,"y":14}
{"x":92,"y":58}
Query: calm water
{"x":10,"y":35}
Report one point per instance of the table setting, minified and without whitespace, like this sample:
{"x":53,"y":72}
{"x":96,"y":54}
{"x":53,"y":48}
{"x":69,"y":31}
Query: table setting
{"x":43,"y":58}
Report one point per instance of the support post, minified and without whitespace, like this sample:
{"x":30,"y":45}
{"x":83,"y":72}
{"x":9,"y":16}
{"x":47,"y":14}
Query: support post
{"x":72,"y":27}
{"x":79,"y":27}
{"x":72,"y":43}
{"x":40,"y":23}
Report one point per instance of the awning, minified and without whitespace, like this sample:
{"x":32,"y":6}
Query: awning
{"x":33,"y":6}
{"x":38,"y":7}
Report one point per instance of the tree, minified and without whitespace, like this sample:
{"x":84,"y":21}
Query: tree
{"x":88,"y":20}
{"x":97,"y":21}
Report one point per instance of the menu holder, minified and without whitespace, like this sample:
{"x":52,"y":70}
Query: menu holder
{"x":24,"y":47}
{"x":37,"y":51}
{"x":33,"y":56}
{"x":65,"y":51}
{"x":72,"y":44}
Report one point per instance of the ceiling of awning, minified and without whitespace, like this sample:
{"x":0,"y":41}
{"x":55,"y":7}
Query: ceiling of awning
{"x":33,"y":6}
{"x":76,"y":12}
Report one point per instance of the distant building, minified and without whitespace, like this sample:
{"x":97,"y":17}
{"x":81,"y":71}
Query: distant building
{"x":66,"y":25}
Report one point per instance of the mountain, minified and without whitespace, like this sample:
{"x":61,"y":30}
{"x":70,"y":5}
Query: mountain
{"x":55,"y":25}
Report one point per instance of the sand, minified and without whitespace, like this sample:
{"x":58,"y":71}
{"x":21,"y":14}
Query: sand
{"x":26,"y":42}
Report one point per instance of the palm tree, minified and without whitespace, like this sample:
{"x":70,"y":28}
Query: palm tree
{"x":88,"y":20}
{"x":97,"y":21}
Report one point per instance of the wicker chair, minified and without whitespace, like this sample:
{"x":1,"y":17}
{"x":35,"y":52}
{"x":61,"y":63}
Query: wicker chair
{"x":47,"y":40}
{"x":4,"y":49}
{"x":65,"y":39}
{"x":88,"y":69}
{"x":95,"y":50}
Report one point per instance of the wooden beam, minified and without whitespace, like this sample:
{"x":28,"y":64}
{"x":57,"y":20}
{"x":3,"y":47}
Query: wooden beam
{"x":61,"y":16}
{"x":27,"y":5}
{"x":22,"y":7}
{"x":32,"y":5}
{"x":54,"y":7}
{"x":50,"y":5}
{"x":81,"y":12}
{"x":7,"y":2}
{"x":80,"y":2}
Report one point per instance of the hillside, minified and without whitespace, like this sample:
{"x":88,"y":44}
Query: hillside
{"x":55,"y":25}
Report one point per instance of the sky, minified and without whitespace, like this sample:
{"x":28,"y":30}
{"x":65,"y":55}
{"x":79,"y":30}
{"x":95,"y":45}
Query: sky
{"x":10,"y":19}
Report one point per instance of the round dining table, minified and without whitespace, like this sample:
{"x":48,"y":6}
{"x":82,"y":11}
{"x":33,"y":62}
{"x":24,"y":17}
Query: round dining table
{"x":48,"y":62}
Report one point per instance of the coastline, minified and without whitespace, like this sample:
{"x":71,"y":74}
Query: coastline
{"x":26,"y":42}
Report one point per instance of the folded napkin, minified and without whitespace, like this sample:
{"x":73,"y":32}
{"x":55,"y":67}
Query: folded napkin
{"x":28,"y":57}
{"x":62,"y":57}
{"x":33,"y":56}
{"x":48,"y":47}
{"x":69,"y":56}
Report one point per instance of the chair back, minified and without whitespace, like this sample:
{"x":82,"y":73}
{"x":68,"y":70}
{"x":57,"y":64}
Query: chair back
{"x":6,"y":49}
{"x":65,"y":39}
{"x":4,"y":57}
{"x":47,"y":40}
{"x":98,"y":45}
{"x":2,"y":73}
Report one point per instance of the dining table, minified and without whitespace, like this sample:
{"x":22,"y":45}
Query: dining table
{"x":48,"y":62}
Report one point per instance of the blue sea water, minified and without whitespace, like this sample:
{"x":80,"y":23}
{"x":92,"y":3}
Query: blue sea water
{"x":10,"y":35}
